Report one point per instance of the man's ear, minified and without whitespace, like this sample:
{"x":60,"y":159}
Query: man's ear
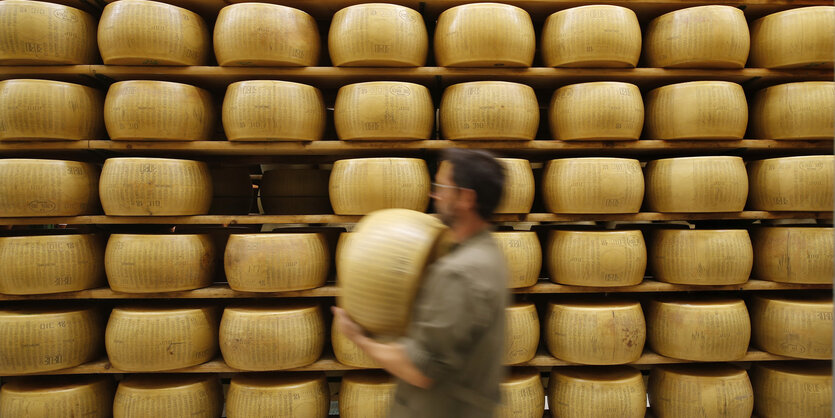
{"x":468,"y":200}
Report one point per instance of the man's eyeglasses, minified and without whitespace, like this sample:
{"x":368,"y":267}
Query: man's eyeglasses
{"x":438,"y":186}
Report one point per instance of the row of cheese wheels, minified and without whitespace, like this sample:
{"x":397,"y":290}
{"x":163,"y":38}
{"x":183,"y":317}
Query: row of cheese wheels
{"x":795,"y":389}
{"x":279,"y":262}
{"x":134,"y":186}
{"x":141,"y":32}
{"x":284,"y":335}
{"x":268,"y":110}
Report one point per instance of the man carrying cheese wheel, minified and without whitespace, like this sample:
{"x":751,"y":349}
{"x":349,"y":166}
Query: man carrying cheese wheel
{"x":449,"y":363}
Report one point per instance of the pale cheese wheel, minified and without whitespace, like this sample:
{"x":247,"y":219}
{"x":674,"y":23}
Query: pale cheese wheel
{"x":595,"y":331}
{"x":362,"y":185}
{"x":271,"y":110}
{"x":603,"y":110}
{"x":701,"y":257}
{"x":696,"y":184}
{"x":40,"y":33}
{"x":348,"y":353}
{"x":489,"y":110}
{"x":272,"y":337}
{"x":34,"y":265}
{"x":378,"y":35}
{"x":276,"y":262}
{"x":714,"y":36}
{"x":368,"y":394}
{"x":151,"y":396}
{"x":700,"y":390}
{"x":792,"y":183}
{"x":133,"y":186}
{"x":286,"y":395}
{"x":610,"y":392}
{"x":792,"y":389}
{"x":793,"y":325}
{"x":261,"y":34}
{"x":150,"y":263}
{"x":34,"y":340}
{"x":57,"y":397}
{"x":708,"y":110}
{"x":794,"y":255}
{"x":703,"y":329}
{"x":144,"y":110}
{"x":523,"y":256}
{"x":484,"y":35}
{"x":521,"y":333}
{"x":803,"y":110}
{"x":150,"y":339}
{"x":593,"y":185}
{"x":232,"y":190}
{"x":592,"y":36}
{"x":31,"y":187}
{"x":295,"y":191}
{"x":798,"y":38}
{"x":518,"y":189}
{"x":523,"y":395}
{"x":596,"y":258}
{"x":379,"y":273}
{"x":383,"y":110}
{"x":45,"y":110}
{"x":142,"y":32}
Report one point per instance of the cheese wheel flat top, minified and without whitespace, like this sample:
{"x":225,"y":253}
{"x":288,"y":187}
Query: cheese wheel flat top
{"x":701,"y":371}
{"x":40,"y":33}
{"x":596,"y":111}
{"x":369,"y":377}
{"x":797,"y":38}
{"x":378,"y":35}
{"x":276,"y":382}
{"x":609,"y":374}
{"x":591,"y":36}
{"x":799,"y":369}
{"x":272,"y":110}
{"x":160,"y":382}
{"x":595,"y":306}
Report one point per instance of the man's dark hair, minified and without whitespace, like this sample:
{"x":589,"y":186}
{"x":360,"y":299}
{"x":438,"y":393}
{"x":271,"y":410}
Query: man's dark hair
{"x":480,"y":171}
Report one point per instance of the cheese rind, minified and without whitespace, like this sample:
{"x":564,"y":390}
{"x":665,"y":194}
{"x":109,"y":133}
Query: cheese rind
{"x":696,"y":184}
{"x":384,"y":110}
{"x":348,"y":353}
{"x":611,"y":392}
{"x":489,"y":110}
{"x":792,"y":183}
{"x":792,"y":389}
{"x":276,"y":262}
{"x":518,"y":190}
{"x":596,"y":258}
{"x":797,"y":38}
{"x":378,"y":35}
{"x":281,"y":395}
{"x":521,"y":333}
{"x":523,"y":256}
{"x":150,"y":396}
{"x":366,"y":394}
{"x":592,"y":36}
{"x":41,"y":33}
{"x":794,"y":255}
{"x":271,"y":110}
{"x":701,"y":257}
{"x":362,"y":185}
{"x":598,"y":111}
{"x":803,"y":110}
{"x":694,"y":110}
{"x":797,"y":326}
{"x":32,"y":187}
{"x":691,"y":391}
{"x":593,"y":185}
{"x":33,"y":265}
{"x":57,"y":397}
{"x":522,"y":394}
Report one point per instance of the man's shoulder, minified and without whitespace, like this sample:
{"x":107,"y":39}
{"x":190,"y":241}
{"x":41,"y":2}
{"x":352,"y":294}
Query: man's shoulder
{"x":479,"y":260}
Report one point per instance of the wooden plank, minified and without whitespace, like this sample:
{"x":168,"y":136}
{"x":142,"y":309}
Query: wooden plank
{"x":543,"y":359}
{"x":650,"y":286}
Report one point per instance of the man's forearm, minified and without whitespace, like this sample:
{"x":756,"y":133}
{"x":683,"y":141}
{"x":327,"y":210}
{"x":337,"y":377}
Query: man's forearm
{"x":393,"y":358}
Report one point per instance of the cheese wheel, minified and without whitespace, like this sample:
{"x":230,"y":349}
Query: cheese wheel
{"x":704,"y":329}
{"x":378,"y":35}
{"x":133,"y":186}
{"x":272,"y":337}
{"x":295,"y":191}
{"x":804,"y":110}
{"x":523,"y":256}
{"x":384,"y":110}
{"x":522,"y":394}
{"x":521,"y":333}
{"x":368,"y":394}
{"x":696,"y":184}
{"x":796,"y":38}
{"x":596,"y":258}
{"x":701,"y":257}
{"x":595,"y":331}
{"x":45,"y":110}
{"x":348,"y":353}
{"x":31,"y":187}
{"x":142,"y":32}
{"x":603,"y":110}
{"x":148,"y":263}
{"x":57,"y":396}
{"x":698,"y":37}
{"x":518,"y":190}
{"x":610,"y":392}
{"x":34,"y":340}
{"x":484,"y":35}
{"x":40,"y":33}
{"x":489,"y":110}
{"x":260,"y":34}
{"x":792,"y":183}
{"x":150,"y":338}
{"x":143,"y":110}
{"x":792,"y":389}
{"x":700,"y":390}
{"x":232,"y":190}
{"x":362,"y":185}
{"x":270,"y":110}
{"x":696,"y":110}
{"x":591,"y":36}
{"x":34,"y":265}
{"x":379,"y":273}
{"x":793,"y":325}
{"x":276,"y":262}
{"x":150,"y":396}
{"x":794,"y":255}
{"x":593,"y":185}
{"x":285,"y":395}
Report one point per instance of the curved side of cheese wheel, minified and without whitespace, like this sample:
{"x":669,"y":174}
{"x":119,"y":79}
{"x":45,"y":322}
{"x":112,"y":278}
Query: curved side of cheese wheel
{"x":348,"y":353}
{"x":276,"y":262}
{"x":31,"y":265}
{"x":523,"y":255}
{"x":271,"y":110}
{"x":168,"y":395}
{"x":522,"y":394}
{"x":41,"y":33}
{"x":775,"y":39}
{"x":797,"y":326}
{"x":696,"y":110}
{"x":593,"y":185}
{"x":384,"y":110}
{"x":57,"y":396}
{"x":696,"y":184}
{"x":31,"y":187}
{"x":592,"y":36}
{"x":489,"y":110}
{"x":366,"y":394}
{"x":701,"y":257}
{"x":363,"y":185}
{"x":792,"y":183}
{"x":281,"y":395}
{"x":794,"y":255}
{"x":804,"y":110}
{"x":521,"y":333}
{"x":596,"y":111}
{"x":792,"y":389}
{"x":378,"y":35}
{"x":519,"y":189}
{"x":700,"y":390}
{"x":596,"y":258}
{"x":610,"y":392}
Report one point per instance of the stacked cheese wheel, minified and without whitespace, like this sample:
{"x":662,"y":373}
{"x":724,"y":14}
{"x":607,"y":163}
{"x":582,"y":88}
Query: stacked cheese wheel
{"x":40,"y":33}
{"x":45,"y":110}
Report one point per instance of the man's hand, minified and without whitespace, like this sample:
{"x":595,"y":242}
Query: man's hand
{"x":346,"y":325}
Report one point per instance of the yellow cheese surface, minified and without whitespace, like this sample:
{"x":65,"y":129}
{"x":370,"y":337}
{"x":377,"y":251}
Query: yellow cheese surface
{"x":522,"y":394}
{"x":276,"y":262}
{"x":378,"y":35}
{"x":610,"y":392}
{"x":489,"y":110}
{"x":151,"y":396}
{"x":794,"y":255}
{"x":797,"y":326}
{"x":696,"y":184}
{"x":803,"y":110}
{"x":383,"y":110}
{"x":593,"y":185}
{"x":32,"y":187}
{"x":696,"y":110}
{"x":701,"y":257}
{"x":281,"y":395}
{"x":592,"y":36}
{"x":523,"y":256}
{"x":271,"y":110}
{"x":484,"y":35}
{"x":797,"y":38}
{"x":700,"y":390}
{"x":792,"y":389}
{"x":596,"y":258}
{"x":518,"y":190}
{"x":58,"y":397}
{"x":31,"y":265}
{"x":45,"y":110}
{"x":40,"y":33}
{"x":362,"y":185}
{"x":603,"y":110}
{"x":802,"y":183}
{"x":366,"y":394}
{"x":521,"y":333}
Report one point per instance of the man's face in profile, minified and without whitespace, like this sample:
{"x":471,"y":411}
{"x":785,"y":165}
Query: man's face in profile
{"x":445,"y":193}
